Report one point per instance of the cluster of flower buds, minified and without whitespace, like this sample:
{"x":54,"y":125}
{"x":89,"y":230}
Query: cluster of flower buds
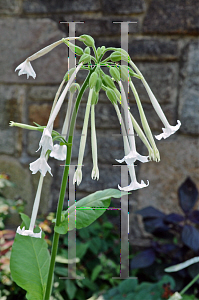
{"x":97,"y":80}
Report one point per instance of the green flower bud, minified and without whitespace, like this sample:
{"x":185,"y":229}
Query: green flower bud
{"x":87,"y":50}
{"x":119,"y":55}
{"x":87,"y":40}
{"x":95,"y":96}
{"x":125,"y":70}
{"x":115,"y":73}
{"x":93,"y":80}
{"x":75,"y":49}
{"x":103,"y":48}
{"x":74,"y":86}
{"x":108,"y":81}
{"x":86,"y":58}
{"x":111,"y":95}
{"x":98,"y":84}
{"x":69,"y":74}
{"x":99,"y":52}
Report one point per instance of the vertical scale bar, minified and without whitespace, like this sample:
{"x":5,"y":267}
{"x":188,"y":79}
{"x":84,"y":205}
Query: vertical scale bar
{"x":124,"y":258}
{"x":72,"y":233}
{"x":71,"y":187}
{"x":124,"y":174}
{"x":124,"y":255}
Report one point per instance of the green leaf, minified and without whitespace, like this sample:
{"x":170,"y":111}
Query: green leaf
{"x":70,"y":288}
{"x":83,"y":212}
{"x":81,"y":249}
{"x":95,"y":245}
{"x":29,"y":264}
{"x":128,"y":285}
{"x":88,"y":283}
{"x":96,"y":272}
{"x":26,"y":221}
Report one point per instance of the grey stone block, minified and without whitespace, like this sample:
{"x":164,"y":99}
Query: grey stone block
{"x":33,"y":143}
{"x":165,"y":16}
{"x":10,"y":6}
{"x":123,"y":7}
{"x":42,"y":93}
{"x":189,"y":90}
{"x":21,"y":38}
{"x":8,"y":141}
{"x":104,"y":27}
{"x":153,"y":48}
{"x":60,"y":6}
{"x":162,"y":78}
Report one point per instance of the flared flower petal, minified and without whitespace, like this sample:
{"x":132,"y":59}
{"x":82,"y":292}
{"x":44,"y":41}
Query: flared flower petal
{"x":169,"y":130}
{"x":132,"y":157}
{"x":59,"y":152}
{"x":26,"y":68}
{"x":134,"y":186}
{"x":46,"y":141}
{"x":78,"y":176}
{"x":29,"y":232}
{"x":40,"y":165}
{"x":95,"y":173}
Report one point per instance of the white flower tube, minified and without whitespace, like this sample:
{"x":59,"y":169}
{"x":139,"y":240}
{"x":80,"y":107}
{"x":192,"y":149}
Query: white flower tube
{"x":147,"y":130}
{"x":78,"y":173}
{"x":95,"y":171}
{"x":26,"y":68}
{"x":133,"y":155}
{"x":137,"y":129}
{"x":30,"y":232}
{"x":168,"y":130}
{"x":43,"y":141}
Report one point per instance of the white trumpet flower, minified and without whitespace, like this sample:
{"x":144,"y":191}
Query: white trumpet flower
{"x":134,"y":185}
{"x":59,"y":152}
{"x":26,"y":68}
{"x":40,"y":165}
{"x":168,"y":130}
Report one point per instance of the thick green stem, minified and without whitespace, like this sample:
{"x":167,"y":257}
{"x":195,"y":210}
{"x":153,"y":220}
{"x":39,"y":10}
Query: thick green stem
{"x":63,"y":189}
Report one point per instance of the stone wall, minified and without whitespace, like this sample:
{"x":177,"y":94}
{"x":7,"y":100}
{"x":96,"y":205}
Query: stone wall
{"x":164,"y":45}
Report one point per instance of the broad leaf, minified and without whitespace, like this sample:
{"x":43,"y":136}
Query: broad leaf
{"x":128,"y":285}
{"x":174,"y":218}
{"x":188,"y":195}
{"x":143,"y":259}
{"x":96,"y":272}
{"x":87,"y":210}
{"x":29,"y":264}
{"x":155,"y":226}
{"x":190,"y":237}
{"x":150,"y":212}
{"x":194,"y":216}
{"x":70,"y":288}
